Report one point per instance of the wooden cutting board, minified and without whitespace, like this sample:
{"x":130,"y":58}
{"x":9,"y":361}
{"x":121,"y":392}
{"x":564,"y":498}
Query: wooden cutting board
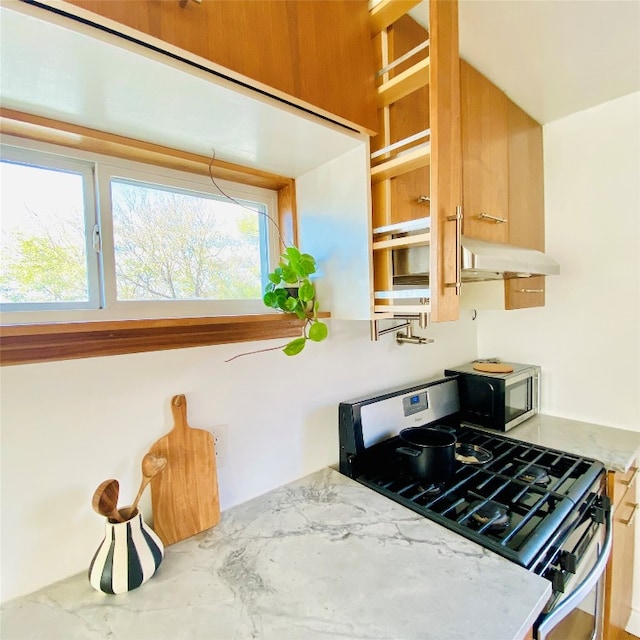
{"x":184,"y":496}
{"x":492,"y":367}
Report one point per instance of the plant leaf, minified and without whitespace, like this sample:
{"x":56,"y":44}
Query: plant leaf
{"x":307,"y":264}
{"x":318,"y":331}
{"x":291,"y":253}
{"x":307,"y":291}
{"x":270,"y":299}
{"x":290,"y":304}
{"x":289,"y":275}
{"x":295,"y":346}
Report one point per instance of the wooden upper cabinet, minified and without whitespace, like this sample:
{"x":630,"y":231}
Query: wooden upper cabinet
{"x":446,"y":161}
{"x":503,"y":177}
{"x":526,"y":203}
{"x":416,"y":163}
{"x":485,"y":157}
{"x":318,"y":54}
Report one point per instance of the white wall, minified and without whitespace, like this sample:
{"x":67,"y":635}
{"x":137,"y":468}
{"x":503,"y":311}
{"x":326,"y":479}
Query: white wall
{"x":67,"y":426}
{"x":587,"y":337}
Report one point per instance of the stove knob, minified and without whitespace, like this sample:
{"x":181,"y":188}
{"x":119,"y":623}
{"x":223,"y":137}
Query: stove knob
{"x":568,"y":561}
{"x":558,"y":580}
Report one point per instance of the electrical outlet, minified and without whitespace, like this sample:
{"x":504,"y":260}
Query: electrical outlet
{"x":219,"y":433}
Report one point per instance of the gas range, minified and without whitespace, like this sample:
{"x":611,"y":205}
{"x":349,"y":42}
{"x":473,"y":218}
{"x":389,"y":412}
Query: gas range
{"x":538,"y":507}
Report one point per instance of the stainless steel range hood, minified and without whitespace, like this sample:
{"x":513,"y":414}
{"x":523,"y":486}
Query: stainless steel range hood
{"x":481,"y":261}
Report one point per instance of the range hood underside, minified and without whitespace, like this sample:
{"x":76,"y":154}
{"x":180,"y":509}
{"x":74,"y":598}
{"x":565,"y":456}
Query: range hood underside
{"x":481,"y":261}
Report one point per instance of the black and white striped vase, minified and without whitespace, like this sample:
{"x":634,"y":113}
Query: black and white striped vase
{"x":127,"y":557}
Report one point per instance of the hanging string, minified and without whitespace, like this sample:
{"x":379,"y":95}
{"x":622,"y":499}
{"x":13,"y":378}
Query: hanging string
{"x":262,"y":213}
{"x":237,"y":202}
{"x":250,"y":353}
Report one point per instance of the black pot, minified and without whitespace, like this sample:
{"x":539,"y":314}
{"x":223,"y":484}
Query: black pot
{"x":431,"y":454}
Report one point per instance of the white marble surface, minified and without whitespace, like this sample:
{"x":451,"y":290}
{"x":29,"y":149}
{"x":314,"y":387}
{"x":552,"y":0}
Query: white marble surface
{"x":321,"y":558}
{"x":615,"y":448}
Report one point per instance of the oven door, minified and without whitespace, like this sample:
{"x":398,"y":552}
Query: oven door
{"x":579,"y":613}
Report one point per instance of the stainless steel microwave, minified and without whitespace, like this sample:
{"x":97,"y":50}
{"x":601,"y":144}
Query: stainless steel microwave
{"x":497,"y":401}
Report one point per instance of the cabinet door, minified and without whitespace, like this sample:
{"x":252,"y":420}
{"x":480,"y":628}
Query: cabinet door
{"x":446,"y":160}
{"x":416,"y":170}
{"x":619,"y":580}
{"x":318,"y":53}
{"x":526,"y":202}
{"x":485,"y":157}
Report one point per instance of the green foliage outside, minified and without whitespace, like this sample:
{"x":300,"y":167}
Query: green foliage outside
{"x":44,"y":268}
{"x":168,"y":246}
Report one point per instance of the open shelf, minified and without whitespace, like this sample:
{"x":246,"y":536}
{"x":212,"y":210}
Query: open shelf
{"x":404,"y":242}
{"x":402,"y":163}
{"x":404,"y":83}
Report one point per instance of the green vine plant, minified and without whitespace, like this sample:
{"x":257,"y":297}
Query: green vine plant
{"x":290,"y":290}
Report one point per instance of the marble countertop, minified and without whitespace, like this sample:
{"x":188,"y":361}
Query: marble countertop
{"x":615,"y":448}
{"x":320,"y":558}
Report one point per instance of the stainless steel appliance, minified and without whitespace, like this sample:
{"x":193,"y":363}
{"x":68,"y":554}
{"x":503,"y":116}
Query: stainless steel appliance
{"x":479,"y":260}
{"x":544,"y":509}
{"x":498,"y":400}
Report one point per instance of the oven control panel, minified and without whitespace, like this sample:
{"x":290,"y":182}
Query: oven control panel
{"x":415,"y":404}
{"x":383,"y":417}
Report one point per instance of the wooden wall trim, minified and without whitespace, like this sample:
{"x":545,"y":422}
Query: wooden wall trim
{"x":24,"y":344}
{"x":31,"y":127}
{"x":46,"y":342}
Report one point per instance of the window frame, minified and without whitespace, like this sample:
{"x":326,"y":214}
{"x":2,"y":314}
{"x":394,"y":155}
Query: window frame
{"x":46,"y":159}
{"x":53,"y":341}
{"x":103,"y":170}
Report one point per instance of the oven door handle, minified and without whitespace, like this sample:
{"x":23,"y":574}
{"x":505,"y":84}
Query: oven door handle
{"x":568,"y":604}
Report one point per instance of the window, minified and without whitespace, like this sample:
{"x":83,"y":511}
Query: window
{"x":95,"y":238}
{"x":47,"y":205}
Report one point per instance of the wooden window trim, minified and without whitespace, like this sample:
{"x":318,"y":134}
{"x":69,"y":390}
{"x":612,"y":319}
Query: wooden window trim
{"x":29,"y":343}
{"x":64,"y":134}
{"x":47,"y":342}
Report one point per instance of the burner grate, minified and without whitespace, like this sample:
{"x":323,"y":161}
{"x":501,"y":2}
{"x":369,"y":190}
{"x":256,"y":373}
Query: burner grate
{"x":518,"y":499}
{"x":523,"y":511}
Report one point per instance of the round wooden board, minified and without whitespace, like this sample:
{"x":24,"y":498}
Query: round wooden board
{"x":492,"y":367}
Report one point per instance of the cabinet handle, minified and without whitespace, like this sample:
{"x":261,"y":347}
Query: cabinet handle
{"x":457,"y":218}
{"x":632,"y":517}
{"x":632,"y":479}
{"x":486,"y":216}
{"x":530,"y":290}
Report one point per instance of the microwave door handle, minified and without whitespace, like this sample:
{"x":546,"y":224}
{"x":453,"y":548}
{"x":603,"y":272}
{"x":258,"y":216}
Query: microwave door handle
{"x":568,"y":604}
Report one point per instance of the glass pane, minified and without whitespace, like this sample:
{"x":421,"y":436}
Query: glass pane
{"x":42,"y":244}
{"x":175,"y":245}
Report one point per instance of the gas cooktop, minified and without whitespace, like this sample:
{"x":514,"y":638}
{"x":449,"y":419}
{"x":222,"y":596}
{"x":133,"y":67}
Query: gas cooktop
{"x":517,"y":499}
